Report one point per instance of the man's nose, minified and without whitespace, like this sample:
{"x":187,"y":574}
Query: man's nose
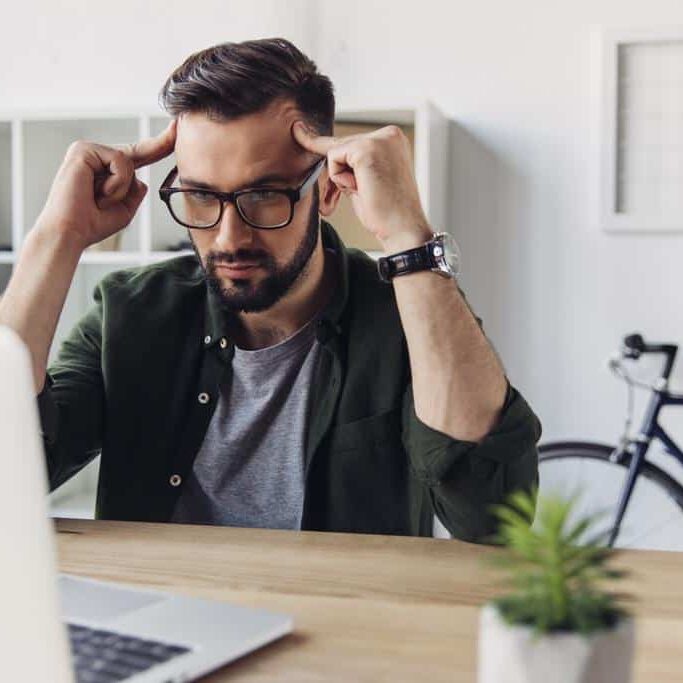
{"x":233,"y":232}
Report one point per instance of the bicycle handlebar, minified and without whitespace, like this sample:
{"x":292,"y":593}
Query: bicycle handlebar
{"x":635,"y":346}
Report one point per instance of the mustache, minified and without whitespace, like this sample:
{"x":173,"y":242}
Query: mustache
{"x":239,"y":256}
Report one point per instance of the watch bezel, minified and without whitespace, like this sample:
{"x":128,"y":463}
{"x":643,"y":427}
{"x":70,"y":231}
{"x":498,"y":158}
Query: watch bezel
{"x":438,"y":246}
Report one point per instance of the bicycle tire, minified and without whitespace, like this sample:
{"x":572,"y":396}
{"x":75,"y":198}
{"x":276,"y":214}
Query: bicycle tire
{"x":601,"y":451}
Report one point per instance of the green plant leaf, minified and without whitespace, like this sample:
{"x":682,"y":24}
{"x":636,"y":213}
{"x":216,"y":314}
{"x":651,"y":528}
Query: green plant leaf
{"x":557,"y":579}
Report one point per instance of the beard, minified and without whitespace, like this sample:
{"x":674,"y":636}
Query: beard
{"x":244,"y":296}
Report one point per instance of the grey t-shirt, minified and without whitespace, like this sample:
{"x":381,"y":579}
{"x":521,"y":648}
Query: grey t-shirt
{"x":250,"y":468}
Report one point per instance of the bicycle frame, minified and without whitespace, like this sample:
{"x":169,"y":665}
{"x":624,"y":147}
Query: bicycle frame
{"x":638,"y":447}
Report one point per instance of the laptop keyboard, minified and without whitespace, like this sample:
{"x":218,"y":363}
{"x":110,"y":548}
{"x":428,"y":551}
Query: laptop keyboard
{"x":105,"y":657}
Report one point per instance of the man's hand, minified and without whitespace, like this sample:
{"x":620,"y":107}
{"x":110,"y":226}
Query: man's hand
{"x":95,"y":192}
{"x":375,"y":170}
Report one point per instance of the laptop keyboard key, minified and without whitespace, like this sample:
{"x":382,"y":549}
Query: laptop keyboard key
{"x":101,"y":656}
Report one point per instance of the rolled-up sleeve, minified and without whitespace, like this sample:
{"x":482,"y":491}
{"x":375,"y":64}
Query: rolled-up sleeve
{"x":464,"y":478}
{"x":71,"y":403}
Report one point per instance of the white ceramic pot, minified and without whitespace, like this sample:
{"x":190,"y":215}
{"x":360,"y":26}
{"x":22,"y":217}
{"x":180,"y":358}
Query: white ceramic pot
{"x":512,"y":654}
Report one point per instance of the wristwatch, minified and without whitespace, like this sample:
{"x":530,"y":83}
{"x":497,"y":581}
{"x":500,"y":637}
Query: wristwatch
{"x":440,"y":255}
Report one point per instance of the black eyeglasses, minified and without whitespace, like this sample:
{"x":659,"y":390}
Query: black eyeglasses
{"x":264,"y":208}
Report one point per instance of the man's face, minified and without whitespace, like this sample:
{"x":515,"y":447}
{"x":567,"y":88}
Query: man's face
{"x":250,"y":269}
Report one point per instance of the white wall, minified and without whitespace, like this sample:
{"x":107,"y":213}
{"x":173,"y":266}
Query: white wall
{"x":520,"y":82}
{"x":78,"y":53}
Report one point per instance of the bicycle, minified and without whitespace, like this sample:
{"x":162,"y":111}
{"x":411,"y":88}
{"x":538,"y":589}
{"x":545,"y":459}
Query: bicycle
{"x":641,"y":503}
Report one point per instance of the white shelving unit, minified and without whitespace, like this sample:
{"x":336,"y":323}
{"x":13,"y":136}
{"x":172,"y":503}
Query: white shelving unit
{"x":32,"y":147}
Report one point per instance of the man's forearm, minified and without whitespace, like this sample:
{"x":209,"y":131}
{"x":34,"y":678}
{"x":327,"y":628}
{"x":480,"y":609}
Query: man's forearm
{"x":34,"y":298}
{"x":459,"y":385}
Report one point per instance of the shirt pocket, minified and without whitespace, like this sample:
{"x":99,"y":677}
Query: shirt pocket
{"x":376,"y":431}
{"x":368,"y":485}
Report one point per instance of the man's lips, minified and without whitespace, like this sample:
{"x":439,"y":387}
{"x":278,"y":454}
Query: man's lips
{"x":237,"y":267}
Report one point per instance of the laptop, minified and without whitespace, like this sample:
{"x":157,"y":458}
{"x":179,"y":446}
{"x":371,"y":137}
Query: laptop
{"x":62,"y":628}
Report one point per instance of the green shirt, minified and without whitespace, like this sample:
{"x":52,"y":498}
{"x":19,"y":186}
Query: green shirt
{"x":137,"y":380}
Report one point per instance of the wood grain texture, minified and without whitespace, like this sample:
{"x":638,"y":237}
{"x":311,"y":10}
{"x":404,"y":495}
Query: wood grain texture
{"x":366,"y":608}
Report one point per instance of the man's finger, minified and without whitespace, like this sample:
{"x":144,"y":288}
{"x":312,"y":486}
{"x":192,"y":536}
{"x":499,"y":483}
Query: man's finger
{"x":135,"y":195}
{"x":345,"y":181}
{"x":308,"y":139}
{"x":116,"y":184}
{"x":148,"y":151}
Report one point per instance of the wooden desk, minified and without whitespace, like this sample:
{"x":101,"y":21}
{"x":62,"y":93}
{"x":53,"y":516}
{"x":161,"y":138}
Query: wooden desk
{"x":366,"y":608}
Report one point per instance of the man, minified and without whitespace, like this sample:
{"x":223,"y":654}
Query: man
{"x":274,"y":379}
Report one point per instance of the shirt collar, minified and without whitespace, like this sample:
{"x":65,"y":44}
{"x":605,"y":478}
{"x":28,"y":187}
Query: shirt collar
{"x":216,"y":319}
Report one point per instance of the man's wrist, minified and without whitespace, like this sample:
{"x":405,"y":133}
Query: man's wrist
{"x":408,"y":239}
{"x":57,"y":239}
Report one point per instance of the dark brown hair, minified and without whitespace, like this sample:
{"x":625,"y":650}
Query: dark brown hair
{"x":230,"y":80}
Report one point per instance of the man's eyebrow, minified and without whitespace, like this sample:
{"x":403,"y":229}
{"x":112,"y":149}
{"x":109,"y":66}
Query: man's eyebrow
{"x":256,"y":182}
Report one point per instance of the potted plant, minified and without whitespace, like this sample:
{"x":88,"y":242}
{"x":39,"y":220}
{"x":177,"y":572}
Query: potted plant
{"x":559,"y":625}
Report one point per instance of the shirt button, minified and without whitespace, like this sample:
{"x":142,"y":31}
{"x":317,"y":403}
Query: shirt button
{"x":203,"y":397}
{"x":207,"y":339}
{"x":175,"y":480}
{"x":223,"y":342}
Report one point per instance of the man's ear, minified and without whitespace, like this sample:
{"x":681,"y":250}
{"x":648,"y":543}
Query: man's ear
{"x":329,"y":195}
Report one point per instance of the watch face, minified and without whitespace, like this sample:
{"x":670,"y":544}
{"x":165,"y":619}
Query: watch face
{"x":447,"y":253}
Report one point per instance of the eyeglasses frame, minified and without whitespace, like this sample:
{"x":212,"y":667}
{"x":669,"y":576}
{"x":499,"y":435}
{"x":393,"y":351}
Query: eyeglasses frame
{"x":294,"y":195}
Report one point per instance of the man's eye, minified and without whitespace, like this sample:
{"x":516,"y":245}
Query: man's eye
{"x":263,"y":195}
{"x":201,"y":197}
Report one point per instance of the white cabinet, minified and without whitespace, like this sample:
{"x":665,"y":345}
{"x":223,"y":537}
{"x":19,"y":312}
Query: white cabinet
{"x":32,"y":147}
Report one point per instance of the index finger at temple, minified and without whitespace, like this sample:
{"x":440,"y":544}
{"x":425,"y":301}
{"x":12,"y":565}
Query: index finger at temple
{"x":310,"y":140}
{"x":153,"y":149}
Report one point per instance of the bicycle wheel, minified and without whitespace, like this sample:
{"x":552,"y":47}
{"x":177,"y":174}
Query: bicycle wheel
{"x":654,"y":515}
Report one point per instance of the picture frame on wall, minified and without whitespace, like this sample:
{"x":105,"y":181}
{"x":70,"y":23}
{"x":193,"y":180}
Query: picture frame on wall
{"x":641,"y":137}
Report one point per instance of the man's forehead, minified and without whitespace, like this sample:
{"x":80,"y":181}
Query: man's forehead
{"x":242,"y":149}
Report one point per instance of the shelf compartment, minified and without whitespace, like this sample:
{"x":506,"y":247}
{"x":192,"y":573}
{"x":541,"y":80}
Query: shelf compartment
{"x":5,"y":274}
{"x":5,"y":188}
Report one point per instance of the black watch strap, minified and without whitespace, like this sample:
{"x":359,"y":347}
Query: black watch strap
{"x":409,"y":261}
